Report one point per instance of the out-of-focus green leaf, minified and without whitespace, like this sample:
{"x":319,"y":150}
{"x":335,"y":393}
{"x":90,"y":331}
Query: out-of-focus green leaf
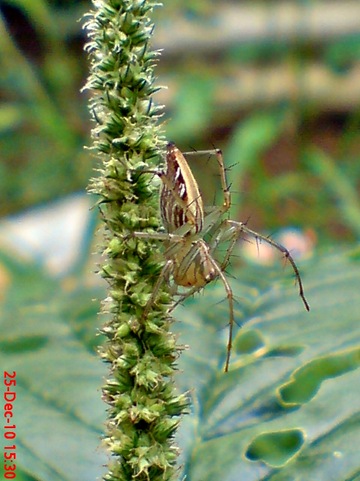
{"x":58,"y":411}
{"x":289,"y":407}
{"x":340,"y":185}
{"x":249,"y":141}
{"x":193,"y":109}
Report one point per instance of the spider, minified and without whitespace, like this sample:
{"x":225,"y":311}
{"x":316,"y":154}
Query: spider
{"x":189,"y":257}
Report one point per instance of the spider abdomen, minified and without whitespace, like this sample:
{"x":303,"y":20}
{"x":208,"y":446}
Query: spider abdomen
{"x":180,"y":199}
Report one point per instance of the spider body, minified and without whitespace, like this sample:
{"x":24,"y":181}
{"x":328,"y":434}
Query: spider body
{"x":189,"y":258}
{"x":182,"y":210}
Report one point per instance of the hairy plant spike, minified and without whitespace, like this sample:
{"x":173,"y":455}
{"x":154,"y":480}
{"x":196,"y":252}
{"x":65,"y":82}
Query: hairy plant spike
{"x":143,"y":406}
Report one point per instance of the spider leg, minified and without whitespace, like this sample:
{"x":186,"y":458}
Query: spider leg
{"x":230,"y":298}
{"x":163,"y":276}
{"x":204,"y":257}
{"x":224,"y":185}
{"x":164,"y":236}
{"x":185,"y":295}
{"x":240,"y":227}
{"x":214,"y":214}
{"x":226,"y":234}
{"x":223,"y":235}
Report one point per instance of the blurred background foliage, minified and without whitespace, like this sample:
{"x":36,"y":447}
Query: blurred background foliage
{"x":275,"y":84}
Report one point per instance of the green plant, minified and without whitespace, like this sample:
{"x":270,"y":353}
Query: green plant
{"x":143,"y":405}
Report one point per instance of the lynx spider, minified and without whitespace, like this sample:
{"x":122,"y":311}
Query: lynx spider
{"x":189,"y":258}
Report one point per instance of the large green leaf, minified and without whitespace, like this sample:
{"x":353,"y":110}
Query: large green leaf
{"x":290,"y":406}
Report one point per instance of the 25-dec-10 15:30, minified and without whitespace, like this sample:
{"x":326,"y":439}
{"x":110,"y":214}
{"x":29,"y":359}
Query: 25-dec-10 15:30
{"x":9,"y":453}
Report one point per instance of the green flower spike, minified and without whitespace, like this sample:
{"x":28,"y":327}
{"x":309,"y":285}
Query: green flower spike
{"x":144,"y":408}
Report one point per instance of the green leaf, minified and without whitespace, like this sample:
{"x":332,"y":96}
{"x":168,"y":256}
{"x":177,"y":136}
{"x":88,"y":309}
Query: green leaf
{"x":57,"y":412}
{"x":289,"y":407}
{"x":193,"y":109}
{"x":340,"y":185}
{"x":249,"y":141}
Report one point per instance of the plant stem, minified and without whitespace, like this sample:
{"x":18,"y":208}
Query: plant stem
{"x":144,"y":408}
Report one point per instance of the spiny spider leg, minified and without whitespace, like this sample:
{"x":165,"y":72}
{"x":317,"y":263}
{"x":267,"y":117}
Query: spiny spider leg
{"x":239,"y":227}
